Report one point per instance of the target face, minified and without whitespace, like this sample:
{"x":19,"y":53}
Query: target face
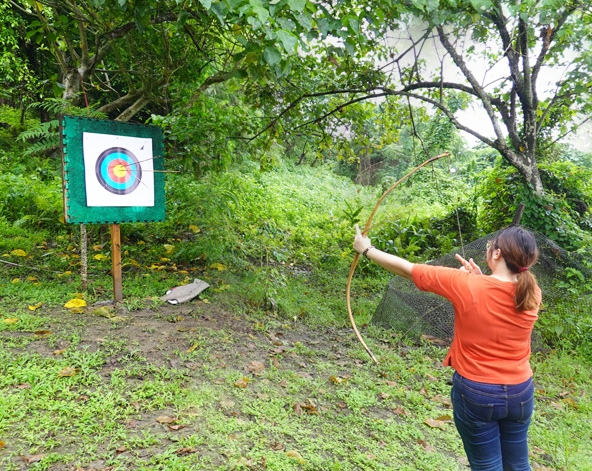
{"x":118,"y":170}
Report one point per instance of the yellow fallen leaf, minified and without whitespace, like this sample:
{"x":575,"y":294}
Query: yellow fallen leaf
{"x":16,"y":280}
{"x":59,"y":352}
{"x":43,"y":333}
{"x":104,"y":311}
{"x":242,"y":383}
{"x":18,"y":253}
{"x":571,"y":403}
{"x":193,"y":347}
{"x":297,"y":456}
{"x":169,"y":248}
{"x":218,"y":266}
{"x":10,"y":320}
{"x":221,"y":288}
{"x":2,"y":444}
{"x":444,"y":418}
{"x":34,"y":307}
{"x":100,"y":257}
{"x":77,"y":310}
{"x":97,"y":248}
{"x":194,"y":228}
{"x":435,"y":423}
{"x":165,"y":419}
{"x":32,"y":278}
{"x":76,"y":302}
{"x":68,"y":371}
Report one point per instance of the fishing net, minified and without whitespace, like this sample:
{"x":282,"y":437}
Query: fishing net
{"x":417,"y":314}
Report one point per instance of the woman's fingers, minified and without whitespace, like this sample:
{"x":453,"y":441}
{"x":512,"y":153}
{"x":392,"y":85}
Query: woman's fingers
{"x":466,"y":266}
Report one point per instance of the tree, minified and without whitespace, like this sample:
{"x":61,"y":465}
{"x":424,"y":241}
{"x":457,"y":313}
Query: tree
{"x":123,"y":56}
{"x":527,"y":38}
{"x":529,"y":35}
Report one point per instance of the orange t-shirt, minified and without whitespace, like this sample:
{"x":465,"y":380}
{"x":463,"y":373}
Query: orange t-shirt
{"x":491,"y":341}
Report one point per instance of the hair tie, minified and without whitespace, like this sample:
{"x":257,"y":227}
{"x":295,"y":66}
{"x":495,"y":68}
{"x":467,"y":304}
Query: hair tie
{"x":521,"y":269}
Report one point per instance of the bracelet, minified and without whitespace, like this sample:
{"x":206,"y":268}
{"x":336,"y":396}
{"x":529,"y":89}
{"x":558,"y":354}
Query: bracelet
{"x":365,"y":252}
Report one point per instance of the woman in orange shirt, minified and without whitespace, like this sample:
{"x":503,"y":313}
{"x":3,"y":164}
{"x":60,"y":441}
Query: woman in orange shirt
{"x":492,"y":392}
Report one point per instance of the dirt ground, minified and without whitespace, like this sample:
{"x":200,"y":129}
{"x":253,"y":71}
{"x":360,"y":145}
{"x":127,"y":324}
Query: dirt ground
{"x":157,"y":333}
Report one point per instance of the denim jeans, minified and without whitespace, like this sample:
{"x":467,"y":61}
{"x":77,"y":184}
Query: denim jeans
{"x":493,"y":420}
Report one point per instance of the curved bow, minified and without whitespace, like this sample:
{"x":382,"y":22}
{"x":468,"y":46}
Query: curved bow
{"x":365,"y":232}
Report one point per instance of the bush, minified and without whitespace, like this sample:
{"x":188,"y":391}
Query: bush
{"x":558,"y":214}
{"x":29,"y":200}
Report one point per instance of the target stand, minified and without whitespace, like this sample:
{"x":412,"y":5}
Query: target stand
{"x":112,"y":173}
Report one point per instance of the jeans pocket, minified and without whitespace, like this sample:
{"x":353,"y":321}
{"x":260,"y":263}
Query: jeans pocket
{"x":475,"y":411}
{"x":526,"y":410}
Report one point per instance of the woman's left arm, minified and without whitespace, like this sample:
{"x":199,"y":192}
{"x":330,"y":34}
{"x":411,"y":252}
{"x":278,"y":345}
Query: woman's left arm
{"x":397,"y":265}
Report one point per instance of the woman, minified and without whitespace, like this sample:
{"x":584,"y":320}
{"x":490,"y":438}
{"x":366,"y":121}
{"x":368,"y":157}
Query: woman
{"x":492,"y":392}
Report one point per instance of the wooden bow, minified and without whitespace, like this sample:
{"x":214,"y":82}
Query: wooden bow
{"x":364,"y":233}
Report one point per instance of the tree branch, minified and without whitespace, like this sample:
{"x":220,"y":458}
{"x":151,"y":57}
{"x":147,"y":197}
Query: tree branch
{"x":478,"y":89}
{"x":121,"y":101}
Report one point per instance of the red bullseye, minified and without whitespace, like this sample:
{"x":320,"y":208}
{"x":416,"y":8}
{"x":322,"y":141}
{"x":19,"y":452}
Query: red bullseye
{"x":118,"y":170}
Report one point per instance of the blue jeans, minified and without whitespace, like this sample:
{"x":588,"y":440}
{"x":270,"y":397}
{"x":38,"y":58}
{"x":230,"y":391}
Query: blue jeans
{"x":493,"y":420}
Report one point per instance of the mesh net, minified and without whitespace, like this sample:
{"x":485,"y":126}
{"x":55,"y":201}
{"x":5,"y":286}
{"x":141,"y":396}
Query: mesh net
{"x":416,"y":314}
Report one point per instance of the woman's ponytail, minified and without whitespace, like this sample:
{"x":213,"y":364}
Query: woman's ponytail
{"x":520,"y":252}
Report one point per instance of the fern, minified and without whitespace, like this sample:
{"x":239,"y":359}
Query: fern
{"x":41,"y":131}
{"x":46,"y":135}
{"x":46,"y":144}
{"x":59,"y":106}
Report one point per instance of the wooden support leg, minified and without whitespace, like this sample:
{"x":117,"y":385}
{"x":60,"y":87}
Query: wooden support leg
{"x":116,"y":263}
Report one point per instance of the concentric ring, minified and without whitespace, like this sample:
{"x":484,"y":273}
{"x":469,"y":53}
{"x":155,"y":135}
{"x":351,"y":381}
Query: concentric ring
{"x":118,"y":170}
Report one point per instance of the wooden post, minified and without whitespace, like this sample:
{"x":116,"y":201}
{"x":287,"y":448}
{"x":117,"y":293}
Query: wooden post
{"x":518,"y":214}
{"x":116,"y":263}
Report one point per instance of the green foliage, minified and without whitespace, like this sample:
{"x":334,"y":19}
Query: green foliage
{"x":30,"y":200}
{"x":569,"y":325}
{"x":17,"y":78}
{"x":209,"y":134}
{"x":419,"y":240}
{"x":243,"y":220}
{"x":562,"y":214}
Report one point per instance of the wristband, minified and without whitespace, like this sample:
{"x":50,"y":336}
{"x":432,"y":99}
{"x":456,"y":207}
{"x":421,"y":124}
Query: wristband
{"x":365,"y":252}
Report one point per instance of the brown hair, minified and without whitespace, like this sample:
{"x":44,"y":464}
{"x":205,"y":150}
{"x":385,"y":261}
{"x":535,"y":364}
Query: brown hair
{"x":520,"y":252}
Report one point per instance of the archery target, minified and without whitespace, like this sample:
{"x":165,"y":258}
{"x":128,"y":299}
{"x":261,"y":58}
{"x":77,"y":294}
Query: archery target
{"x":118,"y":170}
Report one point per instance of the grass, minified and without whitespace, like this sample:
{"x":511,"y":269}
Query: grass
{"x":172,"y":388}
{"x":260,"y":372}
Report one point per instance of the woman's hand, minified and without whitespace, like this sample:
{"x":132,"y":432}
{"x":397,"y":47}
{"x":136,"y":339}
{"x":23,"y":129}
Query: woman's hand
{"x":361,"y":242}
{"x":470,"y":266}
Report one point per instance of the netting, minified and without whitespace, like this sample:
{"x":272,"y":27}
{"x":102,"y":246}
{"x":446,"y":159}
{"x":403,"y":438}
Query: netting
{"x":416,"y":314}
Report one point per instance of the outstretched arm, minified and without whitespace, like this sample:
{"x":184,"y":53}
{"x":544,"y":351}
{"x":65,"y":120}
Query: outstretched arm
{"x":397,"y":265}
